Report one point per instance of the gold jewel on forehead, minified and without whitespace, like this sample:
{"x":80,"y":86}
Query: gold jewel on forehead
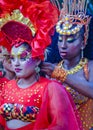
{"x":16,"y":15}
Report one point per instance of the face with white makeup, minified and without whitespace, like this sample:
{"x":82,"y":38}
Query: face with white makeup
{"x":22,"y":62}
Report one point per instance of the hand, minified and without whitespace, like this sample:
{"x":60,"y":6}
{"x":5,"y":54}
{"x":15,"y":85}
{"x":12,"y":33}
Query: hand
{"x":47,"y":68}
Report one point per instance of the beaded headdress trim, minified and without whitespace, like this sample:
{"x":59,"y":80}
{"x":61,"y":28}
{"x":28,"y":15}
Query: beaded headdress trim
{"x":73,"y":17}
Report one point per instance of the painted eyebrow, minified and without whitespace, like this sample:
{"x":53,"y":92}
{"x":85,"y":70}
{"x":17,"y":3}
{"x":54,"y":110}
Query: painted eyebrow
{"x":13,"y":54}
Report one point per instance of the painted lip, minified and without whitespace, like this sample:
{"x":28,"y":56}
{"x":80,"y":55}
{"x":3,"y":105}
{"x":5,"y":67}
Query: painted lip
{"x":63,"y":53}
{"x":17,"y":70}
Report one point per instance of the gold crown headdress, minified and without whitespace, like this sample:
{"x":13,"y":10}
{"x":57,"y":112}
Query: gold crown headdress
{"x":73,"y":17}
{"x":16,"y":15}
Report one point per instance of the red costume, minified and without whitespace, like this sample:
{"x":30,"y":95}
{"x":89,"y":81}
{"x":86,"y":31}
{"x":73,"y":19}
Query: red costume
{"x":3,"y":81}
{"x":44,"y":95}
{"x":46,"y":103}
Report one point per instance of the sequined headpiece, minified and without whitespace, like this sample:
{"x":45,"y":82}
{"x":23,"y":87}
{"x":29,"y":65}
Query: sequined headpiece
{"x":73,"y":17}
{"x":29,"y":21}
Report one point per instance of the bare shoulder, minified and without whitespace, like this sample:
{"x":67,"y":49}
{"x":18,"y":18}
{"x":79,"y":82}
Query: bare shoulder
{"x":91,"y":64}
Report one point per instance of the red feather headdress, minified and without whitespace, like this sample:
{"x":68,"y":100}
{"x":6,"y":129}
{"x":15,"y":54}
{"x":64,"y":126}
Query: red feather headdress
{"x":30,"y":21}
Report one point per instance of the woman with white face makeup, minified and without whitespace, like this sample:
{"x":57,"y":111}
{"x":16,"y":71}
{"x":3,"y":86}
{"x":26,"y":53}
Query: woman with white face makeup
{"x":33,"y":102}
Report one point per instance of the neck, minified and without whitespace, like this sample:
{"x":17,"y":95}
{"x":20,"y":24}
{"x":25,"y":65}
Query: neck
{"x":71,"y":63}
{"x":27,"y":82}
{"x":9,"y":75}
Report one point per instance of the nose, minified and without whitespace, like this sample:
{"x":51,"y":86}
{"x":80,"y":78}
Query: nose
{"x":63,"y":43}
{"x":15,"y":62}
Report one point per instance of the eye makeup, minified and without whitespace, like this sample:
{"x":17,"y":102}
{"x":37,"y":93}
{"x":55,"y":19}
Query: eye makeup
{"x":22,"y":56}
{"x":69,"y":39}
{"x":25,"y":55}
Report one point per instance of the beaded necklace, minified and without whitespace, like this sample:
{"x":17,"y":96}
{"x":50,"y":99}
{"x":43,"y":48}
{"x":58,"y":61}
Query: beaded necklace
{"x":79,"y":66}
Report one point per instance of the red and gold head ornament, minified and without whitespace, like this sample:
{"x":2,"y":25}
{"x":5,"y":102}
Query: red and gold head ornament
{"x":29,"y":21}
{"x":73,"y":17}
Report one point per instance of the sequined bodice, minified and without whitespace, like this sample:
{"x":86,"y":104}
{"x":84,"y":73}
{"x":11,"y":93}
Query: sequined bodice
{"x":29,"y":99}
{"x":77,"y":97}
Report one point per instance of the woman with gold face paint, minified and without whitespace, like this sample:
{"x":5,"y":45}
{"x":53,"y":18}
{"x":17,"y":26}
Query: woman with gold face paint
{"x":30,"y":102}
{"x":74,"y":71}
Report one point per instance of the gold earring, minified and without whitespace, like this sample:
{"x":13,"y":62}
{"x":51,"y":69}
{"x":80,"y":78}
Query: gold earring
{"x":37,"y":69}
{"x":82,"y":52}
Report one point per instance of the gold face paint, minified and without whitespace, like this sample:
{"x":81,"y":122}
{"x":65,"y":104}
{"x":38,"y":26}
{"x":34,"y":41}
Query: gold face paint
{"x":20,"y":50}
{"x":70,"y":38}
{"x":21,"y":54}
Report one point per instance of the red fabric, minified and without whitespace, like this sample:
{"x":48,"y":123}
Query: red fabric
{"x":2,"y":121}
{"x":7,"y":6}
{"x":56,"y":111}
{"x":4,"y":42}
{"x":19,"y":31}
{"x":58,"y":105}
{"x":3,"y":81}
{"x":43,"y":15}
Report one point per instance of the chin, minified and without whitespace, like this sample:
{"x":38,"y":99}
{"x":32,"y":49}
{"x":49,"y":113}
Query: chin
{"x":19,"y":75}
{"x":22,"y":76}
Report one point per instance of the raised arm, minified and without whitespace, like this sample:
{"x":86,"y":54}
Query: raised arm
{"x":77,"y":80}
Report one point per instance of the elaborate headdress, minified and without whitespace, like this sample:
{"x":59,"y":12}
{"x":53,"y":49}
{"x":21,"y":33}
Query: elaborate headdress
{"x":73,"y":17}
{"x":30,"y":21}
